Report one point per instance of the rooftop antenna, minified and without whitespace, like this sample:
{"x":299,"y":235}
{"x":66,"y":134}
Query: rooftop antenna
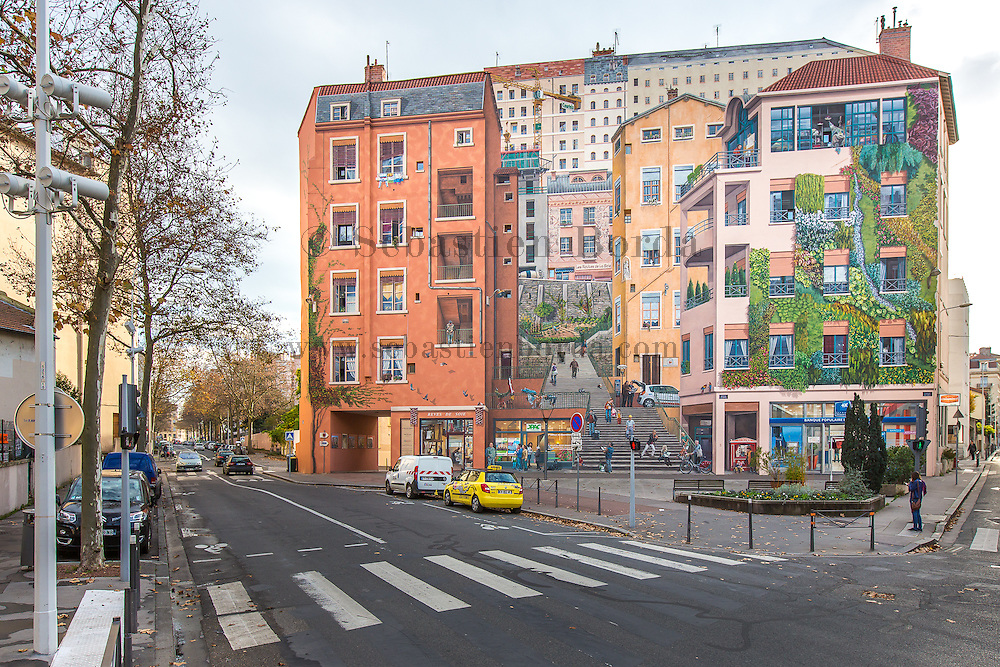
{"x":893,"y":17}
{"x":717,"y":26}
{"x":498,"y":59}
{"x":386,"y":60}
{"x":616,"y":41}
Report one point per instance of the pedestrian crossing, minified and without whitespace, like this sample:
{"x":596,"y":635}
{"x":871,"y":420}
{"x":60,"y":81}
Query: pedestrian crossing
{"x":986,"y":539}
{"x":588,"y":565}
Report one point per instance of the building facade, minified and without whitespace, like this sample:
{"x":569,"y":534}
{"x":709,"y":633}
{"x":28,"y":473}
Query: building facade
{"x":579,"y":226}
{"x":841,"y":171}
{"x":654,"y":153}
{"x":984,"y":376}
{"x":409,"y":225}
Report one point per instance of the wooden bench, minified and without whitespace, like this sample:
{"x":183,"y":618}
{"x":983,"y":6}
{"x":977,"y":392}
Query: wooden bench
{"x":682,"y":486}
{"x":758,"y":484}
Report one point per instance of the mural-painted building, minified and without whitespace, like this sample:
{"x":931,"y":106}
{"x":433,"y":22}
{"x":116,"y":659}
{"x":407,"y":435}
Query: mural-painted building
{"x":822,"y":229}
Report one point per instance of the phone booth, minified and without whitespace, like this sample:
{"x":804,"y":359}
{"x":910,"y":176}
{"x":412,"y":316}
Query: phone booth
{"x":739,"y":453}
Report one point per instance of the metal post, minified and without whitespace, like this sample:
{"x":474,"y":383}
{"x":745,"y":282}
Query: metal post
{"x":545,"y":458}
{"x":871,"y":516}
{"x":45,"y":634}
{"x":125,"y":523}
{"x":538,"y":491}
{"x":578,"y":480}
{"x":956,"y":464}
{"x":750,"y":515}
{"x":812,"y":532}
{"x":598,"y":501}
{"x":689,"y":520}
{"x":557,"y":493}
{"x":631,"y":495}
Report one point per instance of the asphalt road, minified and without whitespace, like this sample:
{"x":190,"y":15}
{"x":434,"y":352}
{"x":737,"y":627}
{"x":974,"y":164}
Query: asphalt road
{"x":301,"y":575}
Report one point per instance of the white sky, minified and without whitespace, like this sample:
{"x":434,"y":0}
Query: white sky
{"x":271,"y":56}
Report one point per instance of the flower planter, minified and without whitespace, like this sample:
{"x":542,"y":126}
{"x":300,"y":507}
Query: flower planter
{"x":789,"y":507}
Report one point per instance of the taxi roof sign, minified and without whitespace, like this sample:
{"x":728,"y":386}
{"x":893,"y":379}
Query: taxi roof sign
{"x":494,"y":467}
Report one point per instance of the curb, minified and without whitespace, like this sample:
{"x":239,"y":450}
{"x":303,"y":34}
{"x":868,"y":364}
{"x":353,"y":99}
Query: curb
{"x":949,"y":515}
{"x":585,"y":522}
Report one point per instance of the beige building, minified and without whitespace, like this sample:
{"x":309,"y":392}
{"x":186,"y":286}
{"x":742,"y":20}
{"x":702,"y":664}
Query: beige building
{"x":654,"y":153}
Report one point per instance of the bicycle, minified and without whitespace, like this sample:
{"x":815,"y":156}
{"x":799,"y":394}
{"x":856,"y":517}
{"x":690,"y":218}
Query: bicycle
{"x":687,"y":465}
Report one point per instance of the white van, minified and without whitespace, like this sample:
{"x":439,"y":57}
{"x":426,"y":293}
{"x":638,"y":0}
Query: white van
{"x":418,"y":474}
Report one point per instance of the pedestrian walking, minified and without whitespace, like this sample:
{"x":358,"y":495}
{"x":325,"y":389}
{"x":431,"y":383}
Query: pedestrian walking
{"x":650,"y":444}
{"x":974,"y":452}
{"x":608,"y":409}
{"x":698,"y":453}
{"x":491,"y":454}
{"x":540,"y":456}
{"x":530,"y":456}
{"x":609,"y":451}
{"x":591,"y":423}
{"x":630,"y":429}
{"x":519,"y":458}
{"x":553,"y":373}
{"x":574,"y":366}
{"x":917,"y":492}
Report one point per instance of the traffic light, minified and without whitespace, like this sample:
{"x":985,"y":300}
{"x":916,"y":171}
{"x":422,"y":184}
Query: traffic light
{"x":918,"y":445}
{"x":634,"y":444}
{"x":921,"y":414}
{"x":128,"y":409}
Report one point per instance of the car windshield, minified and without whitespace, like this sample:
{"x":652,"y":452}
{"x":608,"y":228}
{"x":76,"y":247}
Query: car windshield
{"x":500,"y":478}
{"x":239,"y":459}
{"x":111,"y":489}
{"x":189,"y":456}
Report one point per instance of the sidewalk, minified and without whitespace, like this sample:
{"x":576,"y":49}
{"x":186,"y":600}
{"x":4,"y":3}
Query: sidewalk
{"x":659,"y":517}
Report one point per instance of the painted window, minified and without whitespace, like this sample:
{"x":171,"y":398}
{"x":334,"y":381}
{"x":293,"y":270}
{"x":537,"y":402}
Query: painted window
{"x":736,"y":354}
{"x":390,"y":108}
{"x":650,"y":185}
{"x":344,"y":356}
{"x":893,"y":274}
{"x":685,"y":356}
{"x":618,"y":195}
{"x":835,"y":280}
{"x":529,"y":208}
{"x":709,"y":351}
{"x":392,"y":226}
{"x":684,"y":132}
{"x":463,"y":137}
{"x":681,"y":174}
{"x":590,"y":215}
{"x":894,"y":121}
{"x":677,"y":309}
{"x":344,"y":294}
{"x":835,"y":351}
{"x":862,"y":123}
{"x":392,"y":362}
{"x":565,"y":245}
{"x":340,"y":112}
{"x":781,"y":351}
{"x":391,"y":155}
{"x":651,"y":247}
{"x":589,"y":246}
{"x":677,"y":247}
{"x":835,"y":206}
{"x":713,"y":129}
{"x":650,"y":310}
{"x":618,"y":256}
{"x":618,"y":315}
{"x":345,"y":222}
{"x":781,"y":286}
{"x":565,"y":217}
{"x":782,"y":205}
{"x":892,"y":351}
{"x":392,"y":291}
{"x":344,"y":160}
{"x":893,"y":200}
{"x":651,"y":134}
{"x":782,"y":129}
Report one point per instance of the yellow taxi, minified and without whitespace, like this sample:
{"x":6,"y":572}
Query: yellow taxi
{"x":491,"y":488}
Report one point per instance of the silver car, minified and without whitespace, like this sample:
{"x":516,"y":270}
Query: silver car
{"x":188,"y":460}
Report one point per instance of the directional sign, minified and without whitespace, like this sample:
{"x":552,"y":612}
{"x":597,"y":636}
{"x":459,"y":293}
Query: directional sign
{"x":289,"y":436}
{"x":576,"y":422}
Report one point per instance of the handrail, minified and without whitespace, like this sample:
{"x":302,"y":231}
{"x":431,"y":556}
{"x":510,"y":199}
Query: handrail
{"x":682,"y":435}
{"x":113,"y":647}
{"x":702,"y":226}
{"x":722,"y":160}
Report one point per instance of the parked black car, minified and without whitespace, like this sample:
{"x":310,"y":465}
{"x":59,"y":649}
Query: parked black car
{"x":221,"y":456}
{"x":238,"y":463}
{"x":141,"y":512}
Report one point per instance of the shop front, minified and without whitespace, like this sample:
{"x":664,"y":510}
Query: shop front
{"x":510,"y":434}
{"x":458,"y":433}
{"x":816,"y":430}
{"x":447,"y":437}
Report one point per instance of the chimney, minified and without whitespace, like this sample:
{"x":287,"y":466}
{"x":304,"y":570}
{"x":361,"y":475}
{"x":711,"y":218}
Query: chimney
{"x":671,"y":93}
{"x":374,"y":73}
{"x":895,"y":41}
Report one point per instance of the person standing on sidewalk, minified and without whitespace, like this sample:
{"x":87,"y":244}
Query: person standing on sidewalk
{"x":540,"y":455}
{"x":491,"y":454}
{"x":609,"y":451}
{"x":974,"y":452}
{"x":574,"y":366}
{"x":917,"y":492}
{"x":553,"y":373}
{"x":650,"y":444}
{"x":591,"y":423}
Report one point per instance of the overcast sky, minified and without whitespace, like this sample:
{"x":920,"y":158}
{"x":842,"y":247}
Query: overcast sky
{"x":271,"y":56}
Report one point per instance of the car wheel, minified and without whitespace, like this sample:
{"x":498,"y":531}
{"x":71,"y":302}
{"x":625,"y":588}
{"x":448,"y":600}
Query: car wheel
{"x":388,"y":488}
{"x":648,"y":403}
{"x":411,"y":493}
{"x":447,"y":498}
{"x":476,"y":505}
{"x":515,"y":510}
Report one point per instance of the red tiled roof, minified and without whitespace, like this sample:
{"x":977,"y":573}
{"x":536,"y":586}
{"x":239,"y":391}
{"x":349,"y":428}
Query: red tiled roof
{"x":16,"y":318}
{"x":851,"y":72}
{"x":446,"y":80}
{"x":542,"y":70}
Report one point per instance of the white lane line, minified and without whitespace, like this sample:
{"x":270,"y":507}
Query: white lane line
{"x":662,"y":562}
{"x":541,"y":568}
{"x":247,"y":630}
{"x":617,"y":568}
{"x":987,"y":539}
{"x":348,"y":613}
{"x":418,"y":590}
{"x":266,"y":553}
{"x":481,"y":576}
{"x":356,"y":531}
{"x":446,"y":509}
{"x":359,"y":544}
{"x":310,"y":549}
{"x":982,"y":510}
{"x":207,"y":560}
{"x":686,"y":554}
{"x":230,"y":598}
{"x":565,"y":533}
{"x":766,"y":559}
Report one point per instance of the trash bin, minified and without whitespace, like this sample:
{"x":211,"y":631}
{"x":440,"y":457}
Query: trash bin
{"x":28,"y":539}
{"x":293,"y":464}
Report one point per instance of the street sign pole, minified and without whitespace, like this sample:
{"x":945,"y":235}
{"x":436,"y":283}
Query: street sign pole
{"x":631,"y":495}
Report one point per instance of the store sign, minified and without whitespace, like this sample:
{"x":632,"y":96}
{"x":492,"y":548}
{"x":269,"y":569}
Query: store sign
{"x":532,"y":427}
{"x":669,"y":362}
{"x":841,"y":407}
{"x":950,"y":399}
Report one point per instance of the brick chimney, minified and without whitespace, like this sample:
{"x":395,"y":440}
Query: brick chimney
{"x":895,"y":41}
{"x":374,"y":73}
{"x":671,"y":93}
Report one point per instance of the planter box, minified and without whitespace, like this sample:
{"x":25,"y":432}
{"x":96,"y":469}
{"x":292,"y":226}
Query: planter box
{"x":787,"y":507}
{"x":894,"y":489}
{"x":947,"y":465}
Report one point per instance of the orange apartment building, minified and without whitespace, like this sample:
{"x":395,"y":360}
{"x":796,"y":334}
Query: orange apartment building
{"x":409,"y":239}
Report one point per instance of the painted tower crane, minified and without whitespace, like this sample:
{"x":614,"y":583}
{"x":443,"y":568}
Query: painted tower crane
{"x":537,"y":96}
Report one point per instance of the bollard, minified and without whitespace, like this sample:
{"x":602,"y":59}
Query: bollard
{"x":871,"y":516}
{"x":538,"y":491}
{"x":812,"y":532}
{"x":557,"y":493}
{"x":689,"y":520}
{"x":750,"y":505}
{"x":134,"y":580}
{"x":598,"y":501}
{"x":28,"y":539}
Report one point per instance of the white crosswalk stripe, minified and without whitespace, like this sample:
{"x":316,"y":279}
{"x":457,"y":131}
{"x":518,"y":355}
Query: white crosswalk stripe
{"x":986,"y":539}
{"x":420,"y":591}
{"x":541,"y":568}
{"x":687,"y":554}
{"x":646,"y":558}
{"x":247,"y":630}
{"x":230,"y":598}
{"x":348,"y":613}
{"x":479,"y":575}
{"x":617,"y":568}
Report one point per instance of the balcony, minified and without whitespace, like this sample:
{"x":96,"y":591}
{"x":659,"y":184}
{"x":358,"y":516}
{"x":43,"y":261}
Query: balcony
{"x":781,"y":361}
{"x":524,"y":159}
{"x":455,"y":272}
{"x":737,"y":362}
{"x":563,"y":184}
{"x":836,"y":288}
{"x":782,"y":216}
{"x":455,"y":210}
{"x":893,"y":285}
{"x":735,"y":291}
{"x":834,"y":359}
{"x":892,"y":358}
{"x":893,"y":210}
{"x":835,"y":213}
{"x":784,"y":286}
{"x":736,"y":219}
{"x":721,"y":160}
{"x":702,"y":226}
{"x":698,"y":299}
{"x":455,"y":336}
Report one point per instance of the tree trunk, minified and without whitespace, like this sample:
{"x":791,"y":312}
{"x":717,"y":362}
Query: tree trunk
{"x":145,"y":417}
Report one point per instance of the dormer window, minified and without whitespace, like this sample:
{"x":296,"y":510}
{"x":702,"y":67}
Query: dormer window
{"x":340,"y":111}
{"x":390,"y":108}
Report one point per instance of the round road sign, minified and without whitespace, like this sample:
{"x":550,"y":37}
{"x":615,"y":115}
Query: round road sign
{"x":576,"y":422}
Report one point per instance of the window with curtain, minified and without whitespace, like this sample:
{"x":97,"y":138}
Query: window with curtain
{"x":736,"y":353}
{"x":344,"y":358}
{"x":893,"y":351}
{"x":391,"y":156}
{"x":344,"y":226}
{"x":391,"y":221}
{"x":709,"y":351}
{"x":345,"y":294}
{"x":392,"y":292}
{"x":344,"y":159}
{"x":893,"y":200}
{"x":651,"y":310}
{"x":834,"y":351}
{"x":650,"y":185}
{"x":781,"y":351}
{"x":650,"y":242}
{"x":835,"y":280}
{"x":392,"y":363}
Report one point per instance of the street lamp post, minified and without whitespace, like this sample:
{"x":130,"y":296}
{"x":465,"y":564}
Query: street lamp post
{"x":958,"y":427}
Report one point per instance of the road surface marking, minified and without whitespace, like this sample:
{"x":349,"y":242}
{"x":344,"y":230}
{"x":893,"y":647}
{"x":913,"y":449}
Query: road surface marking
{"x":230,"y":598}
{"x":541,"y":568}
{"x":356,"y":531}
{"x":418,"y":590}
{"x":766,"y":559}
{"x":266,"y":553}
{"x":348,"y":613}
{"x":479,"y":575}
{"x":446,"y":509}
{"x":359,"y":544}
{"x":686,"y":554}
{"x":247,"y":630}
{"x":982,"y":510}
{"x":987,"y":539}
{"x":310,"y":549}
{"x":598,"y":563}
{"x":207,"y":560}
{"x":662,"y":562}
{"x":564,"y":533}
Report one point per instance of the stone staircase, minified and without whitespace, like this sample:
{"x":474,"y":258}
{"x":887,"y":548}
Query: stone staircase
{"x":646,"y":420}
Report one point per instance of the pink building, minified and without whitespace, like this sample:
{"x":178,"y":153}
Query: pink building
{"x":579,"y":226}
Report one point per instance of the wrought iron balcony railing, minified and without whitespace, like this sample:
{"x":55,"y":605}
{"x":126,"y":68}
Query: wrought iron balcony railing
{"x":695,"y":301}
{"x":709,"y":363}
{"x":893,"y":285}
{"x":456,"y":336}
{"x":782,"y":216}
{"x":455,"y":210}
{"x":736,"y":219}
{"x":840,"y":287}
{"x":783,"y":287}
{"x":722,"y":160}
{"x":835,"y":213}
{"x":737,"y":361}
{"x":894,"y":209}
{"x":892,"y":358}
{"x":781,"y":361}
{"x":735,"y":291}
{"x":702,"y":226}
